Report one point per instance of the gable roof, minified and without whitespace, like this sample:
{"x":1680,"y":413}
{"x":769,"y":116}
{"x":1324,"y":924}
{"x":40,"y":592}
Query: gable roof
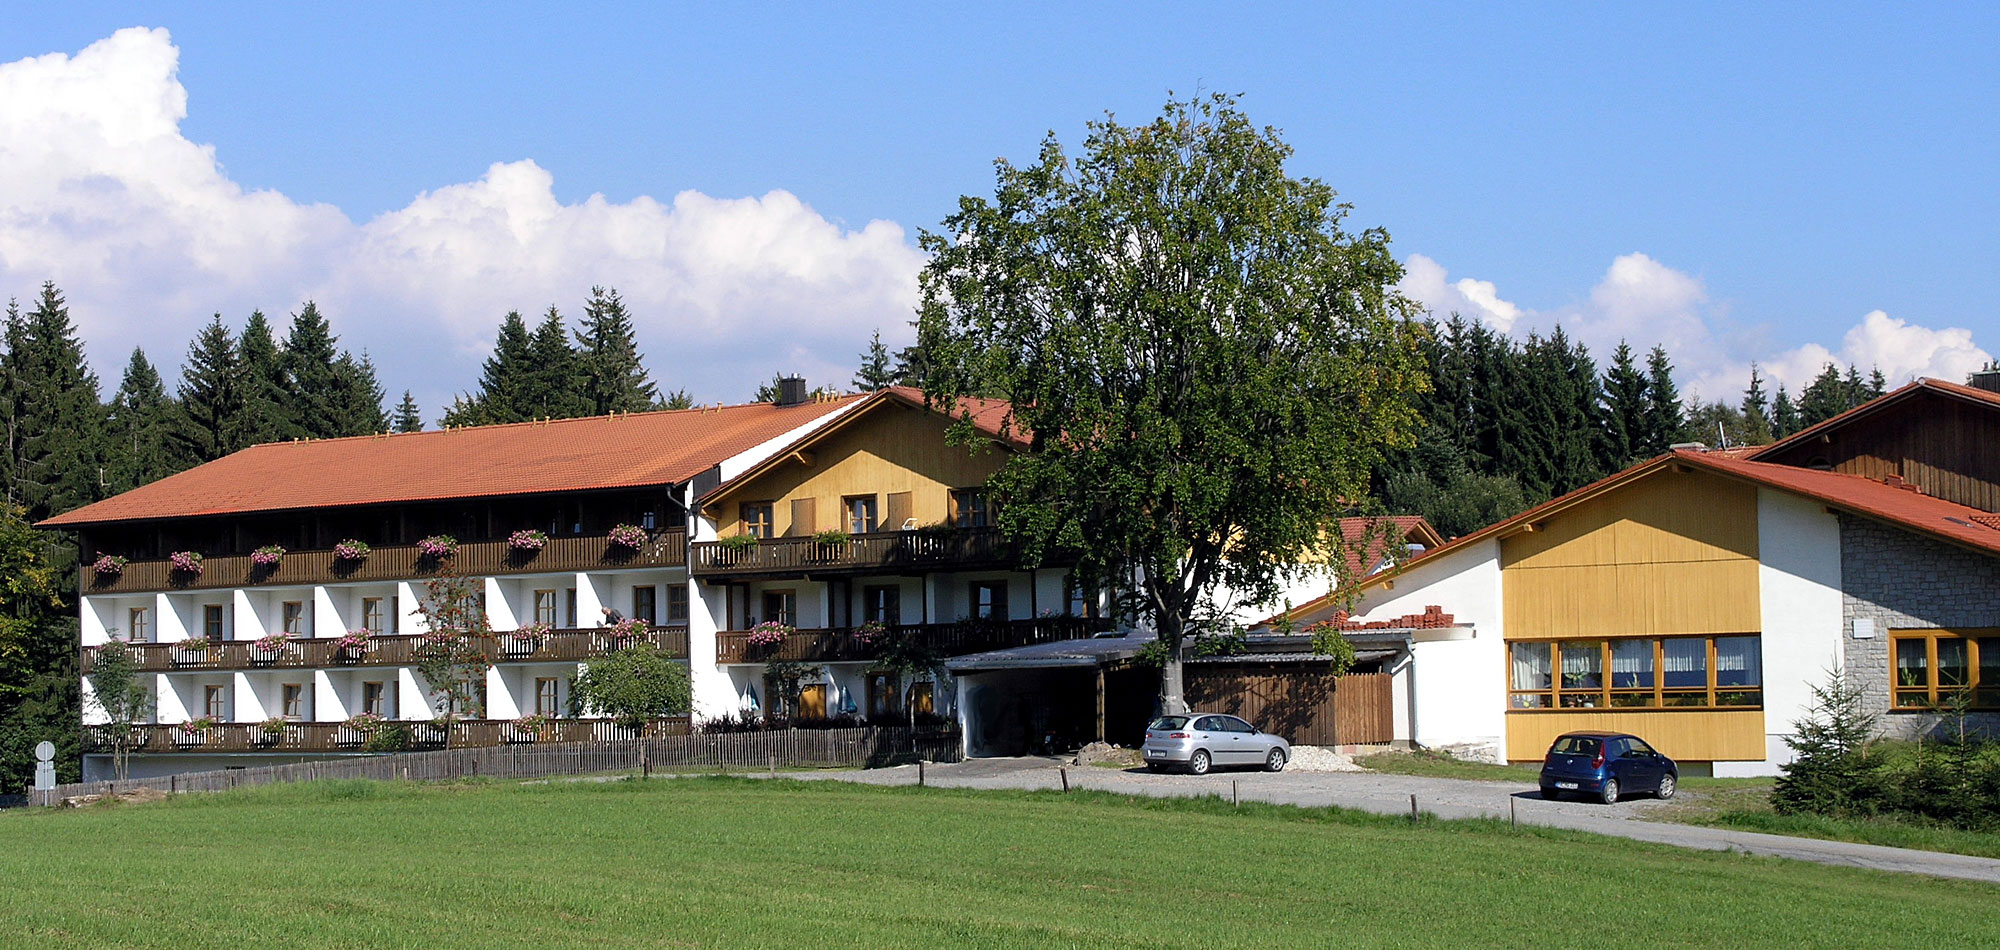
{"x":1921,"y":387}
{"x":987,"y":416}
{"x":1409,"y":529}
{"x":634,"y":450}
{"x":1893,"y":503}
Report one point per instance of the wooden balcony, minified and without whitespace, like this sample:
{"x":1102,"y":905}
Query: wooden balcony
{"x":340,"y":737}
{"x":950,"y":639}
{"x":891,"y":552}
{"x":563,"y":645}
{"x":390,"y":562}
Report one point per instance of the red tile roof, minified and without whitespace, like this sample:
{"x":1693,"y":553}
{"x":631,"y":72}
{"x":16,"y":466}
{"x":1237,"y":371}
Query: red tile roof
{"x":1410,"y":529}
{"x":599,"y":452}
{"x":1433,"y":618}
{"x":1921,"y":385}
{"x":988,"y":415}
{"x":1901,"y":505}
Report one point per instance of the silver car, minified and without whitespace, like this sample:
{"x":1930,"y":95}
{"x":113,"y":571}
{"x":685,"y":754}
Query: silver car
{"x":1199,"y":742}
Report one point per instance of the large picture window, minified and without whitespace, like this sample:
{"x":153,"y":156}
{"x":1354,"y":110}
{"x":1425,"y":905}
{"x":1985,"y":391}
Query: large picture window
{"x":1936,"y":668}
{"x":1638,"y":673}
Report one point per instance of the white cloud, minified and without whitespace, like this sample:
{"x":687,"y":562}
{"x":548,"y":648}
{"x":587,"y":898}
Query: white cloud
{"x":1645,"y":302}
{"x":147,"y":235}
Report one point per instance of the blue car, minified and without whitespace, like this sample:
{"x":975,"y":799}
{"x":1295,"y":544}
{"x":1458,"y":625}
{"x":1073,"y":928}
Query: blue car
{"x":1605,"y":765}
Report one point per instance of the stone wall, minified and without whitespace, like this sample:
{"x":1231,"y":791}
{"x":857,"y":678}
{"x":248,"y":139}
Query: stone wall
{"x":1902,"y":580}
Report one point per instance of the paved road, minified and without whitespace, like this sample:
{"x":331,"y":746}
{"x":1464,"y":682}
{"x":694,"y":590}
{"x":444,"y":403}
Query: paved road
{"x":1446,"y":798}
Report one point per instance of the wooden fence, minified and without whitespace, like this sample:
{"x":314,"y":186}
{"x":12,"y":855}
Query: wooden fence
{"x":1307,"y":706}
{"x":866,"y":747}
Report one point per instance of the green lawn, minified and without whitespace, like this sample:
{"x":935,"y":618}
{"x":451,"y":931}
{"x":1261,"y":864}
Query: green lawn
{"x":717,"y":862}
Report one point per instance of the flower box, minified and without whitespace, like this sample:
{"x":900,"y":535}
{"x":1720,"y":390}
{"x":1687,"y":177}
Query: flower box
{"x":624,"y":633}
{"x":108,"y":565}
{"x":528,"y":541}
{"x":770,"y":633}
{"x":186,"y":563}
{"x":354,"y":644}
{"x":526,"y":640}
{"x":629,"y":537}
{"x":351,"y":551}
{"x":268,"y":556}
{"x":437,"y":547}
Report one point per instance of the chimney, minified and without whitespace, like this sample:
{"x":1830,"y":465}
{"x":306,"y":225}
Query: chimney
{"x":791,"y":390}
{"x":1987,"y":379}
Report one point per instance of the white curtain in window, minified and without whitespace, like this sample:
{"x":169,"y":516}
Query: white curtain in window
{"x":1531,"y":666}
{"x":1582,"y":664}
{"x":1738,"y":661}
{"x":1631,"y":663}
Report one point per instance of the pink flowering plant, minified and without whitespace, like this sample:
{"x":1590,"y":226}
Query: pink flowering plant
{"x":628,"y":536}
{"x":769,"y":633}
{"x":272,"y":643}
{"x":273,"y":727}
{"x":267,"y":556}
{"x":535,"y":633}
{"x":351,"y":550}
{"x":108,"y":565}
{"x":533,"y":723}
{"x":195,"y":644}
{"x":354,"y":640}
{"x":185,"y":562}
{"x":871,"y":633}
{"x":627,"y":631}
{"x":437,"y":547}
{"x":199,"y":726}
{"x":364,"y":722}
{"x":528,"y":539}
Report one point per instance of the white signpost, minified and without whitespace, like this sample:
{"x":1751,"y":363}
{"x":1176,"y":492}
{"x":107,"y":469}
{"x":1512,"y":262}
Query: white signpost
{"x":45,"y":772}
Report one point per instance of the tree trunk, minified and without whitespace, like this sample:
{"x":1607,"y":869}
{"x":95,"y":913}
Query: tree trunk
{"x":1173,"y":699}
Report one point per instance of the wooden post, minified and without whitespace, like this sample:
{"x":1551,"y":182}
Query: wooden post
{"x":1513,"y":817}
{"x":1235,"y":794}
{"x":920,"y":774}
{"x":1413,"y":809}
{"x":645,"y":762}
{"x":774,"y":766}
{"x":1100,"y":704}
{"x":1065,"y":778}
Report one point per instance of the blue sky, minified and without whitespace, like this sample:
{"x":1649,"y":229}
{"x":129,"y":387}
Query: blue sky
{"x":1743,"y":183}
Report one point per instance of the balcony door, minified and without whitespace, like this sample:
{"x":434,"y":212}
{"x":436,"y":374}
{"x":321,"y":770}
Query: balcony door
{"x":882,"y":604}
{"x":781,"y":606}
{"x":987,"y":600}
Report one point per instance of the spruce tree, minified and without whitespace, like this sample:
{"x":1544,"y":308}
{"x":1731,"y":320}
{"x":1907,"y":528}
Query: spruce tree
{"x":614,"y":374}
{"x":60,"y":417}
{"x":1625,"y":406}
{"x":507,"y":381}
{"x":212,"y":420}
{"x":1823,"y":398}
{"x":407,"y":419}
{"x":876,"y":371}
{"x":312,"y":383}
{"x":1878,"y":384}
{"x":358,"y":397}
{"x":1784,"y":414}
{"x":269,"y":415}
{"x":1755,"y":411}
{"x":678,"y":399}
{"x":137,"y":443}
{"x":557,"y":392}
{"x":1666,"y":422}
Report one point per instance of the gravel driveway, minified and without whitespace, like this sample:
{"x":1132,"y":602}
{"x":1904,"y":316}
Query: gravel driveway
{"x":1446,"y":798}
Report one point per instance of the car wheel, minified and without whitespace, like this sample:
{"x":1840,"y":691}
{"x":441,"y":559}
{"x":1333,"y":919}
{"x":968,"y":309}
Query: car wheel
{"x":1667,"y":785}
{"x":1276,"y":761}
{"x":1609,"y":795}
{"x":1198,"y":763}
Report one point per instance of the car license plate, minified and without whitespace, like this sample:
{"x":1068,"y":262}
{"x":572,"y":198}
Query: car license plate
{"x":1155,"y":753}
{"x":1570,"y":785}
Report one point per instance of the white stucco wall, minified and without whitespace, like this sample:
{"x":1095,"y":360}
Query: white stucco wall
{"x":1798,"y":582}
{"x":1456,"y":691}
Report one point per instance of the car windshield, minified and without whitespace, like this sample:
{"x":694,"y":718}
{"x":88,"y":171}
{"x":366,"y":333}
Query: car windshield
{"x":1169,"y":722}
{"x":1575,"y":745}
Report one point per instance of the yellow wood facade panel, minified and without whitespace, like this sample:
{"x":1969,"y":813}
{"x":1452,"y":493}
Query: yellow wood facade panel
{"x":1732,"y":735}
{"x":893,"y":450}
{"x":1674,"y":553}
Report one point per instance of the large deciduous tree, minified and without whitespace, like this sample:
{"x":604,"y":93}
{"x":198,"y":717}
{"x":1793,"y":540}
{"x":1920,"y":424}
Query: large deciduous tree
{"x":1205,"y":365}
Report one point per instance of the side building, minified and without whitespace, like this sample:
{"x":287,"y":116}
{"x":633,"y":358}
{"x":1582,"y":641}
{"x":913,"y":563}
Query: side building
{"x":1696,"y":598}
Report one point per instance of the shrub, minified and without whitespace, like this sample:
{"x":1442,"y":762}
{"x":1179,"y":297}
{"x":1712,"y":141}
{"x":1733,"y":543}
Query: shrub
{"x":1829,"y":747}
{"x":634,"y":686}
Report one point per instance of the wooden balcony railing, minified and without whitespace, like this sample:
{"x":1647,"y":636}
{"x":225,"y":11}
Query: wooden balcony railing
{"x":407,"y":650}
{"x":893,"y":551}
{"x":394,"y":736}
{"x":950,"y":639}
{"x":390,"y":562}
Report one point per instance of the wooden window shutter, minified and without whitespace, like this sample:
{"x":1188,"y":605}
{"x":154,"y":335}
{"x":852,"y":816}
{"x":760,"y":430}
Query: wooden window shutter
{"x":805,"y":517}
{"x":899,"y":511}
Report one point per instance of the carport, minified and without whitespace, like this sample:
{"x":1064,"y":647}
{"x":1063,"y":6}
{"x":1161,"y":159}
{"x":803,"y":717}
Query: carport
{"x":1075,"y":690}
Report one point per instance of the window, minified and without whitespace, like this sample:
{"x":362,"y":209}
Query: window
{"x":882,"y":604}
{"x":211,"y":621}
{"x":545,"y":607}
{"x":215,"y":702}
{"x":920,"y":698}
{"x":139,"y":625}
{"x":677,"y":604}
{"x":988,"y":600}
{"x":860,"y":511}
{"x":569,"y":607}
{"x":969,"y":508}
{"x":372,"y":699}
{"x":757,"y":520}
{"x":371,"y":614}
{"x":649,"y":519}
{"x":1081,"y":602}
{"x":781,"y":606}
{"x":1940,"y":667}
{"x":292,"y":700}
{"x":545,"y":696}
{"x":643,"y":604}
{"x":881,"y":695}
{"x":395,"y":613}
{"x":1636,"y":673}
{"x":294,"y":617}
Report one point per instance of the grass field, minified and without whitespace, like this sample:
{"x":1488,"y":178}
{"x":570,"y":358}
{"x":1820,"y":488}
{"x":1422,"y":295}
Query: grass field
{"x":716,"y":862}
